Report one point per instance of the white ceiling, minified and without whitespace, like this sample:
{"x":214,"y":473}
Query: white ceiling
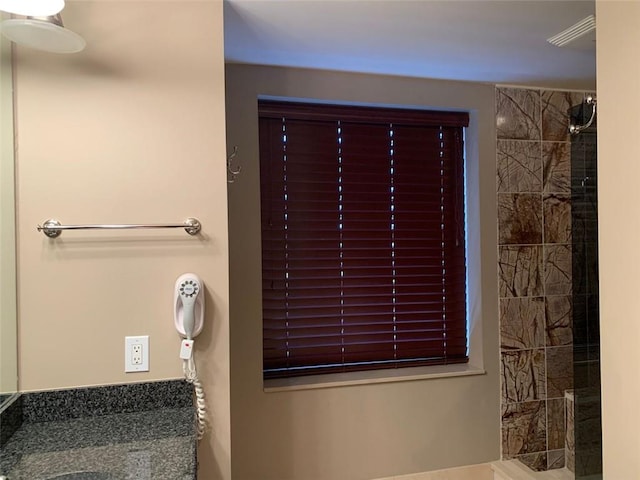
{"x":483,"y":40}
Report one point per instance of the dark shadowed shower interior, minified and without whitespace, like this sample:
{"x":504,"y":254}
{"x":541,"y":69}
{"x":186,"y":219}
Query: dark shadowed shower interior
{"x":586,"y":328}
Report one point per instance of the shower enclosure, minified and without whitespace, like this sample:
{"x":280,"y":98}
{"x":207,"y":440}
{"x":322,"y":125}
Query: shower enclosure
{"x":584,"y":437}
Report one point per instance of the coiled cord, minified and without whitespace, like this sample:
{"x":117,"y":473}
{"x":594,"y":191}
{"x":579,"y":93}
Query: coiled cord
{"x":191,"y":376}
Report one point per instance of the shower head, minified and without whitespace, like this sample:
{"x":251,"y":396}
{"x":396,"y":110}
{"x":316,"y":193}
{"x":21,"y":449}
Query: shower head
{"x":42,"y":33}
{"x":576,"y":129}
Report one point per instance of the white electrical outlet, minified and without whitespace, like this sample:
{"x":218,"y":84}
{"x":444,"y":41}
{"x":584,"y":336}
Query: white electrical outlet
{"x":136,"y":354}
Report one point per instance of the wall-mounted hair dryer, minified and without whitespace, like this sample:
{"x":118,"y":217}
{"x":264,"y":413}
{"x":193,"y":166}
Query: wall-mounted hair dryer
{"x":188,"y":310}
{"x":188,"y":318}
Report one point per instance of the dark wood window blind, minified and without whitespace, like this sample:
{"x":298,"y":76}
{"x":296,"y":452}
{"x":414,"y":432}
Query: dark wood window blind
{"x":363,"y":241}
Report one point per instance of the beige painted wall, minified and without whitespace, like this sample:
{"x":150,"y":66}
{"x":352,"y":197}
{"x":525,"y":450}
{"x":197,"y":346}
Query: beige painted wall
{"x":8,"y":327}
{"x":131,"y":130}
{"x":618,"y":41}
{"x":362,"y":431}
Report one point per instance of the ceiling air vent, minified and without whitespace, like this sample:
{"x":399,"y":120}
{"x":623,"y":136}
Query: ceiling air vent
{"x":580,"y":29}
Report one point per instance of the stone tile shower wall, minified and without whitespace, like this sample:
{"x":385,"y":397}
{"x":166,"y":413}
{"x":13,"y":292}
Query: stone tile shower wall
{"x":534,"y":268}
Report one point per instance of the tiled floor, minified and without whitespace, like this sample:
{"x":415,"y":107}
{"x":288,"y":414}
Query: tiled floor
{"x":500,"y":470}
{"x":472,"y":472}
{"x":514,"y":470}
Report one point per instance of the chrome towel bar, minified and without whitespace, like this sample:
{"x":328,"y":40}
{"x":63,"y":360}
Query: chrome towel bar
{"x":52,"y":228}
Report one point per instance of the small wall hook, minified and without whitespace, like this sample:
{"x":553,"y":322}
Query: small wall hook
{"x":231,"y":172}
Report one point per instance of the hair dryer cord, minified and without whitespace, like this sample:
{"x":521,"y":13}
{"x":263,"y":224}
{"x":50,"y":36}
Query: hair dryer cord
{"x":191,"y":376}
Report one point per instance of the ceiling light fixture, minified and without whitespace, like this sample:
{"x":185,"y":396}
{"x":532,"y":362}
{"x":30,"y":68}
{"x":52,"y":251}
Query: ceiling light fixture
{"x":42,"y":33}
{"x":574,"y":32}
{"x":32,"y":8}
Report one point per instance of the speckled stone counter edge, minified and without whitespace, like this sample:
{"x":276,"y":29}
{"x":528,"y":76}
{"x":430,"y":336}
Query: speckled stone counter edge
{"x":59,"y":405}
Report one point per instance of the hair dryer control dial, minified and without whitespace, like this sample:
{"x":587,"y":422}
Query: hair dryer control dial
{"x":188,"y":289}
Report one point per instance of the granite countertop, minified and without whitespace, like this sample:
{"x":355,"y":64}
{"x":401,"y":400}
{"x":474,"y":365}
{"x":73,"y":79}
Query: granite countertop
{"x":147,"y":443}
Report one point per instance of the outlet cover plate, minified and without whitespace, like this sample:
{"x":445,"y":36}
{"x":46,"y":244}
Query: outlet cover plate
{"x":140,"y":341}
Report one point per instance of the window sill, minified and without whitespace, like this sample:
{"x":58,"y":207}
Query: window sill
{"x":370,"y":377}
